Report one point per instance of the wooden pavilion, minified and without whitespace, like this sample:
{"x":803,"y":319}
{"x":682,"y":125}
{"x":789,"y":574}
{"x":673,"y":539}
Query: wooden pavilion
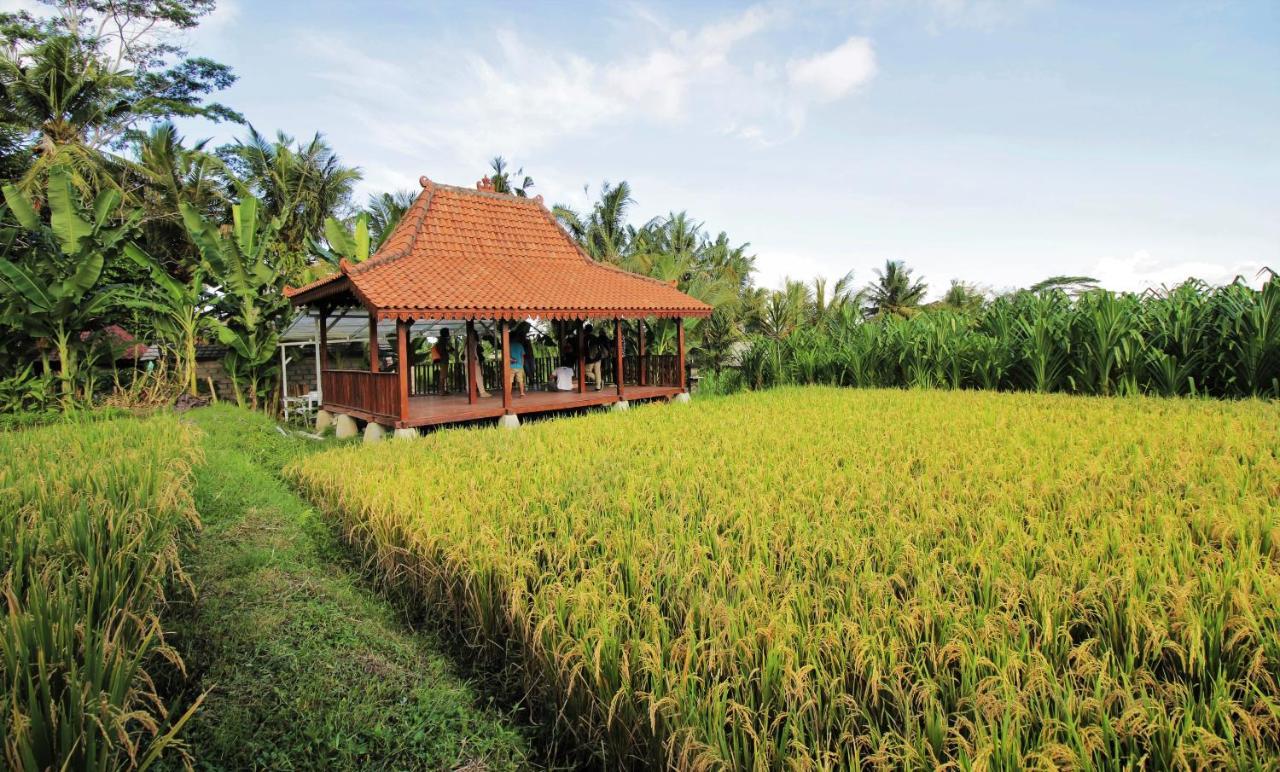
{"x":463,"y":259}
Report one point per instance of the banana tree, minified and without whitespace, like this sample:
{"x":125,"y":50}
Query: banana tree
{"x":354,"y":246}
{"x":239,"y":261}
{"x":179,"y":313}
{"x":51,"y":274}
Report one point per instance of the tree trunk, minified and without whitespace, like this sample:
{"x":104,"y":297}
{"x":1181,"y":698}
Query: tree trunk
{"x":189,"y":366}
{"x":66,"y":369}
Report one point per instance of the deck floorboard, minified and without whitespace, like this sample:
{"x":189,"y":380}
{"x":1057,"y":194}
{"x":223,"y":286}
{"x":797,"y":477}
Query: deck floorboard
{"x":434,"y":410}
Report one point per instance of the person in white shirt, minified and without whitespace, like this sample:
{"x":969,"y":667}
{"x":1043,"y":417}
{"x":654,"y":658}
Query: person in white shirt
{"x":562,"y":378}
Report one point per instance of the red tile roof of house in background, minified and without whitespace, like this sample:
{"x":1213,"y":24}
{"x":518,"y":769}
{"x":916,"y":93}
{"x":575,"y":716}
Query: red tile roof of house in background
{"x":461,"y":254}
{"x":127,"y":346}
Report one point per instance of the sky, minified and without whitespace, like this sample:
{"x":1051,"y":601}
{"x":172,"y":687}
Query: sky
{"x":994,"y":141}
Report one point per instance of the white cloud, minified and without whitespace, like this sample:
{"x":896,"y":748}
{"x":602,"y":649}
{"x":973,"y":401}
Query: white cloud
{"x":522,"y":96}
{"x":835,"y":73}
{"x":1142,"y":271}
{"x":224,"y":14}
{"x":775,"y":266}
{"x":14,"y":6}
{"x":976,"y":13}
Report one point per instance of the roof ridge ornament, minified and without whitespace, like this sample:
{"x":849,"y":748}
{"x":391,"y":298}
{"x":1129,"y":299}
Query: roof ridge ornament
{"x":485,"y":184}
{"x":424,"y":181}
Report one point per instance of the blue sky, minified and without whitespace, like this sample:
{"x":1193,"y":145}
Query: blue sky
{"x":997,"y":142}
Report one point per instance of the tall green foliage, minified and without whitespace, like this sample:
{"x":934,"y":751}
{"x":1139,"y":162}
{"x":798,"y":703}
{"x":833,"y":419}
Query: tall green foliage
{"x":253,"y":306}
{"x":51,"y":274}
{"x":1188,"y":340}
{"x":179,"y":313}
{"x":298,"y":184}
{"x":674,"y":248}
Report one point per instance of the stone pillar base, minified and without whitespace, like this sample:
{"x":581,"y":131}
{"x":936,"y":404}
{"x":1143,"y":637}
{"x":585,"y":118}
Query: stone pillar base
{"x":682,"y":397}
{"x":406,"y":434}
{"x":509,"y":421}
{"x":344,"y":426}
{"x":618,"y":407}
{"x":324,"y":419}
{"x":374,"y":432}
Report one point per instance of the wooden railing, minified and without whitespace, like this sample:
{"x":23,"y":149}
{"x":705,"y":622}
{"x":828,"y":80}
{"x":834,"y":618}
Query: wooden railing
{"x":660,"y":370}
{"x":426,"y":376}
{"x":377,"y":394}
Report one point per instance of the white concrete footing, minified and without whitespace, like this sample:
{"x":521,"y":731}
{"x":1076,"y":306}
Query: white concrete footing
{"x":344,"y":426}
{"x":620,"y":405}
{"x":374,"y":432}
{"x":406,"y":434}
{"x":682,"y":397}
{"x":324,"y":419}
{"x":509,"y":421}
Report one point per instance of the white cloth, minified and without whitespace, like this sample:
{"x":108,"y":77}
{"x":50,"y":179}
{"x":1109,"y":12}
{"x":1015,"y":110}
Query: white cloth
{"x":564,"y":378}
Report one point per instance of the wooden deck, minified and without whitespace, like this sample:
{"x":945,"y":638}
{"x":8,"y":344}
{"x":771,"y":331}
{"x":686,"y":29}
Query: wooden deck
{"x":434,"y":411}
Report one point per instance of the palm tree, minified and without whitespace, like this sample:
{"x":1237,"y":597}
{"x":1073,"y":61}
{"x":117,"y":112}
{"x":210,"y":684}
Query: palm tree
{"x":385,"y":211}
{"x":168,"y":174}
{"x":503,"y":182}
{"x":62,"y":91}
{"x":732,"y":263}
{"x":603,"y":233}
{"x":894,"y":291}
{"x":784,"y":310}
{"x":1072,"y":285}
{"x":963,"y":296}
{"x":828,"y":302}
{"x":300,"y":184}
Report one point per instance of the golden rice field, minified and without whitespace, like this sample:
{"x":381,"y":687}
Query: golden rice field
{"x":92,"y":516}
{"x":819,"y":578}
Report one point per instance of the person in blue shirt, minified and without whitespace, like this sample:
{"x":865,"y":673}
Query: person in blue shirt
{"x":517,"y":356}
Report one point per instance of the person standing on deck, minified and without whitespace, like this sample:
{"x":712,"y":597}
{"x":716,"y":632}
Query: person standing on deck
{"x":596,"y":351}
{"x":516,"y":356}
{"x":440,"y":354}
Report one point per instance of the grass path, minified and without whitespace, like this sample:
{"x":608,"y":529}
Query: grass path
{"x":306,"y":668}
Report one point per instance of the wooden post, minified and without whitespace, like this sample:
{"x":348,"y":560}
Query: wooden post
{"x":374,"y":365}
{"x":404,"y":366}
{"x":618,"y":374}
{"x":680,"y":349}
{"x":582,"y":356}
{"x":473,"y":363}
{"x":324,"y":338}
{"x":506,"y":367}
{"x":644,"y":365}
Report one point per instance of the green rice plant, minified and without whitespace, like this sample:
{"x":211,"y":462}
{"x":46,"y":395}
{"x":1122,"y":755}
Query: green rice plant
{"x":822,"y":578}
{"x":91,"y":516}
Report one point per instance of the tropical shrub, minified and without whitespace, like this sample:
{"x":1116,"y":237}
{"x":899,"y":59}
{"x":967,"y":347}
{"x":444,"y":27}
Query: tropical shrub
{"x":252,"y":300}
{"x":1189,"y":340}
{"x":52,"y":282}
{"x":26,"y":391}
{"x":832,"y":578}
{"x":91,"y":516}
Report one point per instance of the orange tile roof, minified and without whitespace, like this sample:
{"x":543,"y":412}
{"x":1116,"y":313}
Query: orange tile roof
{"x":461,"y":254}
